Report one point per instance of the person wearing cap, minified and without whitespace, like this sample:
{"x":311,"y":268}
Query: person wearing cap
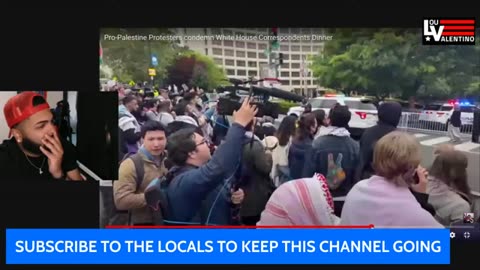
{"x":35,"y":151}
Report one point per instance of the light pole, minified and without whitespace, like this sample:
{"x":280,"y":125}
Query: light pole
{"x":150,"y":62}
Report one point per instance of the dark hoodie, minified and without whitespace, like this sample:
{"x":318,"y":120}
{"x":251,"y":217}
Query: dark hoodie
{"x":254,"y":178}
{"x":455,"y":120}
{"x":389,"y":114}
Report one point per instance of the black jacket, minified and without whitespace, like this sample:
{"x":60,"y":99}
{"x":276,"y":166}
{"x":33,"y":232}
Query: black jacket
{"x":455,"y":119}
{"x":317,"y":160}
{"x":389,"y":114}
{"x":367,"y":144}
{"x":256,"y":183}
{"x":297,"y":156}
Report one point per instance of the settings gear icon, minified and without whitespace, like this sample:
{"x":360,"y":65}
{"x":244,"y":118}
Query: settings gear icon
{"x":452,"y":234}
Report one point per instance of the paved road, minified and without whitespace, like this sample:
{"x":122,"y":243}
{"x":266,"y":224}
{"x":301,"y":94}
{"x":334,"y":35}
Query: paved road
{"x":471,"y":150}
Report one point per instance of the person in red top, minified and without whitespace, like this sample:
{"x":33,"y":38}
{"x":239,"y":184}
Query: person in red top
{"x":35,"y":151}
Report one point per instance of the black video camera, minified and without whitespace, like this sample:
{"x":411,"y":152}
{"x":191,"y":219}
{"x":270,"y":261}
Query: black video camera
{"x":232,"y":101}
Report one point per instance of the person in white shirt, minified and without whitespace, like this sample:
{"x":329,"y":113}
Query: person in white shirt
{"x":280,"y":172}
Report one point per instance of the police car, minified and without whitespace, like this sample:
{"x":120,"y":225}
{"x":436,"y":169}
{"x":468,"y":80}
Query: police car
{"x":439,"y":114}
{"x":364,"y":112}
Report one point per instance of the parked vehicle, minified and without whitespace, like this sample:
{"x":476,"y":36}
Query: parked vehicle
{"x":364,"y":112}
{"x":437,"y":115}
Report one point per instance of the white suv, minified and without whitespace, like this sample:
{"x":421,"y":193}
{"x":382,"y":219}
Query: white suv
{"x":364,"y":112}
{"x":441,"y":113}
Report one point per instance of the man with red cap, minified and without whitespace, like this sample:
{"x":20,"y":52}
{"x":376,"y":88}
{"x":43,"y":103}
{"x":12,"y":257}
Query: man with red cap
{"x":35,"y":152}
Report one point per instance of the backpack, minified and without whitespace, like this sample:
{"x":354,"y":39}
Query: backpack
{"x":125,"y":216}
{"x":284,"y":170}
{"x":245,"y":173}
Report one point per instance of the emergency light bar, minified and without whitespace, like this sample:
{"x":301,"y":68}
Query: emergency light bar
{"x":459,"y":102}
{"x":333,"y":95}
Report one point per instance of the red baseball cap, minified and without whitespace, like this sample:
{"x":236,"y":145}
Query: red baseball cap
{"x":20,"y":107}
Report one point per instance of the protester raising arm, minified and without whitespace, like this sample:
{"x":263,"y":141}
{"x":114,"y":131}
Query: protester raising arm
{"x":225,"y":160}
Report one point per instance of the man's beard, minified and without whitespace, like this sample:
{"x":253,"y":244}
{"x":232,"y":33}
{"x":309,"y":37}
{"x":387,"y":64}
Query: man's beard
{"x":31,"y":147}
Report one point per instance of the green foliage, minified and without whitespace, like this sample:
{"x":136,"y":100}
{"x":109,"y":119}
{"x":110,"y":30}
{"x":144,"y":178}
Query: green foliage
{"x":383,"y":62}
{"x":285,"y":104}
{"x":131,"y":59}
{"x":196,"y":69}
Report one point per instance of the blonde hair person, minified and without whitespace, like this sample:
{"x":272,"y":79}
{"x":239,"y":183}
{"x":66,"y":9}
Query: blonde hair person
{"x":385,"y":199}
{"x":395,"y":155}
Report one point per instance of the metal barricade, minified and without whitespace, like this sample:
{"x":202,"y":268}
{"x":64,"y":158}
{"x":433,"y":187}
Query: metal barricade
{"x":107,"y":210}
{"x":410,"y":121}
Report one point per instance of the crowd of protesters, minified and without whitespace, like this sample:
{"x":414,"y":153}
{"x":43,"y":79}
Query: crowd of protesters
{"x":308,"y":171}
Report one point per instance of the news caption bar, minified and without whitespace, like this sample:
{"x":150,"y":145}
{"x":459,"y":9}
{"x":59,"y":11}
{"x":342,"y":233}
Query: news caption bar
{"x":228,"y":246}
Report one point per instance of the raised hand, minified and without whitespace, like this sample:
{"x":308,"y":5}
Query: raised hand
{"x":336,"y":174}
{"x":421,"y":186}
{"x":245,"y":114}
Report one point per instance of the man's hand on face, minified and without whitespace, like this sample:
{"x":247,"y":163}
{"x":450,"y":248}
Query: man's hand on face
{"x":53,"y":149}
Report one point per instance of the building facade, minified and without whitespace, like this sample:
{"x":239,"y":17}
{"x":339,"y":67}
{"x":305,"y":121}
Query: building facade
{"x":245,"y":57}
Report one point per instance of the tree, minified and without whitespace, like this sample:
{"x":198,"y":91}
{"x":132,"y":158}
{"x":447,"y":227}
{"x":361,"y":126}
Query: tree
{"x":456,"y":73}
{"x":385,"y":62}
{"x":366,"y":61}
{"x":196,"y":70}
{"x":131,"y":59}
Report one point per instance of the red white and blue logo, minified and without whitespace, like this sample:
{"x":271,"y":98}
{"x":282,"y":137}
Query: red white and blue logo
{"x":438,"y":31}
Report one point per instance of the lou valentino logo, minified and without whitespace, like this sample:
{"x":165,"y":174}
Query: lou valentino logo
{"x":437,"y":31}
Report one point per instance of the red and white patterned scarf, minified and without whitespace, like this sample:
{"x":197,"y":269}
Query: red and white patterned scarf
{"x":326,"y":190}
{"x":305,"y":201}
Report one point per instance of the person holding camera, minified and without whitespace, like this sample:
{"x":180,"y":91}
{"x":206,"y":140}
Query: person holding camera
{"x":199,"y":185}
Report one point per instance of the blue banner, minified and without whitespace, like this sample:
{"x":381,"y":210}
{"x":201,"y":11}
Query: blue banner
{"x":228,"y":246}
